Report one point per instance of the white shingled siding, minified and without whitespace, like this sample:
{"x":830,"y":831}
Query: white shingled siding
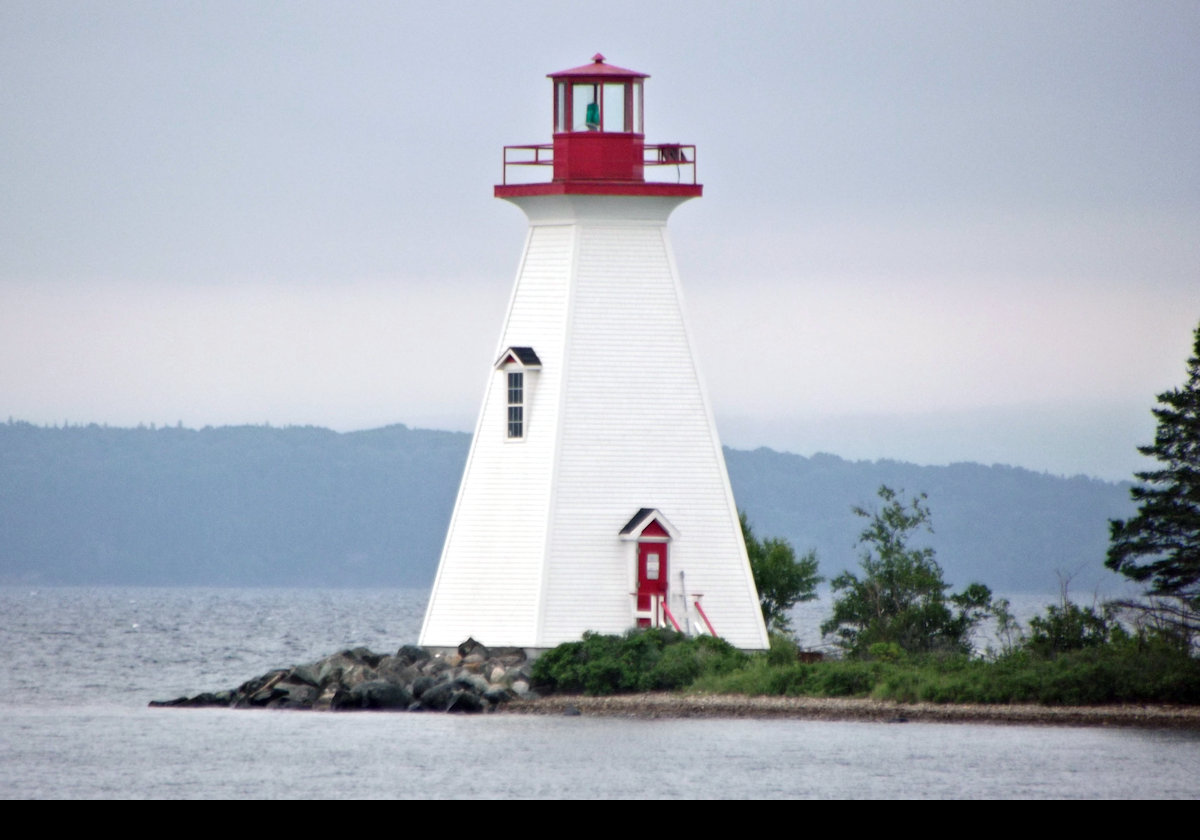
{"x":489,"y":577}
{"x":533,"y":556}
{"x":636,"y":432}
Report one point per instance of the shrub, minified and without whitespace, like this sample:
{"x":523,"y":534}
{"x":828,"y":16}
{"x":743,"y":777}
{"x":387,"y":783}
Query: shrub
{"x":640,"y":660}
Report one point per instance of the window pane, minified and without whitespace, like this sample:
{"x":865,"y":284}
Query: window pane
{"x":584,"y":107}
{"x":614,"y":107}
{"x":561,"y":107}
{"x":637,"y":107}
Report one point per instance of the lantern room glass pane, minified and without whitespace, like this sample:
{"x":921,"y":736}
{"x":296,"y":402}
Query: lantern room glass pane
{"x":637,"y":107}
{"x":560,"y":107}
{"x":585,"y":107}
{"x":614,"y":107}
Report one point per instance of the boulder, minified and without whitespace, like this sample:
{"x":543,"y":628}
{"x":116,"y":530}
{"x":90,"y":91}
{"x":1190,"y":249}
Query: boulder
{"x":422,"y":684}
{"x":380,"y":694}
{"x":473,"y":648}
{"x":412,"y":654}
{"x":438,"y":698}
{"x":465,"y":701}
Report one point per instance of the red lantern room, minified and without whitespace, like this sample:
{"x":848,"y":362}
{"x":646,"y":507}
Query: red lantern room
{"x":599,"y":143}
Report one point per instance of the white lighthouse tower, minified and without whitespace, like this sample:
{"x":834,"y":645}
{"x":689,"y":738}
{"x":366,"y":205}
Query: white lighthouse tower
{"x":595,"y":495}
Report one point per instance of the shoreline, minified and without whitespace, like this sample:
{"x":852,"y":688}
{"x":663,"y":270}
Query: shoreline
{"x":666,"y":705}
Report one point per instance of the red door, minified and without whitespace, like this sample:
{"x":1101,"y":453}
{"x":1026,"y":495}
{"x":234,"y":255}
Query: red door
{"x":652,"y":578}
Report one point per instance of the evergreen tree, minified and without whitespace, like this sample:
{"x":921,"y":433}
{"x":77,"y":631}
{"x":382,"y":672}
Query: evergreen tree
{"x":1161,"y":544}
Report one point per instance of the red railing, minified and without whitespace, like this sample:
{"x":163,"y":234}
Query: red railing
{"x":667,"y":612}
{"x":542,"y":155}
{"x":678,"y":155}
{"x":704,"y":616}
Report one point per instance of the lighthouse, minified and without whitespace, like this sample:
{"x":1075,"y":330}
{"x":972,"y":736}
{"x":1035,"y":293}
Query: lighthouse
{"x":595,"y":495}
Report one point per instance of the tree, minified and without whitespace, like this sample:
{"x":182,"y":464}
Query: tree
{"x":902,"y":599}
{"x":1068,"y":626}
{"x":1161,"y":544}
{"x":781,"y":579}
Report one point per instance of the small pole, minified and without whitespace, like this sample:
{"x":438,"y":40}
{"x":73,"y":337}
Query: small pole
{"x":685,"y":612}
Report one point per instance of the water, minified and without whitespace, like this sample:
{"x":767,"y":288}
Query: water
{"x":83,"y":663}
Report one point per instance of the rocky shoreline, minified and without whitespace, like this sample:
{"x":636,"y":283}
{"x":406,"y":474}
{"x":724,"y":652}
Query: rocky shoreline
{"x":414,"y":679}
{"x":474,"y":679}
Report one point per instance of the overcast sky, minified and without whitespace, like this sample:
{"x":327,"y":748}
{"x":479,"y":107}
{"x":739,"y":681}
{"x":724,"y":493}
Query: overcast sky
{"x":931,"y":231}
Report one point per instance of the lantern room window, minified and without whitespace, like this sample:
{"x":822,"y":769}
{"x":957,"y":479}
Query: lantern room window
{"x":585,"y":107}
{"x":595,"y":105}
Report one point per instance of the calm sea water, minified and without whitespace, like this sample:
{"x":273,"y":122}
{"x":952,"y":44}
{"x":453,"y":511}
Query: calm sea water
{"x":83,"y":663}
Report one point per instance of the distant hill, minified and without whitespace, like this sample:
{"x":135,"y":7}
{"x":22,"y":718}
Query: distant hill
{"x":303,"y":506}
{"x":244,"y":506}
{"x":1010,"y":528}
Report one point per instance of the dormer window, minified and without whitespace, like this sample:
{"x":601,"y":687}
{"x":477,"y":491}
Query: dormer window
{"x":516,"y":404}
{"x":513,"y":364}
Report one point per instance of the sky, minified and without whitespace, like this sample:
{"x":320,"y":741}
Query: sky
{"x":933,"y":232}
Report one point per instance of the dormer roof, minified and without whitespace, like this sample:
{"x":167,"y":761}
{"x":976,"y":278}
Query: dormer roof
{"x":520,"y":356}
{"x":643,"y":521}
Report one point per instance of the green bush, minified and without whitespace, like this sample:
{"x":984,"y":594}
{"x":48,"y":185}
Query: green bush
{"x":640,"y":660}
{"x":783,"y":650}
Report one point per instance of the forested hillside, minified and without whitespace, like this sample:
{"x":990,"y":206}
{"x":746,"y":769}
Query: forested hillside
{"x":1013,"y":529}
{"x":246,"y":505}
{"x":303,"y":506}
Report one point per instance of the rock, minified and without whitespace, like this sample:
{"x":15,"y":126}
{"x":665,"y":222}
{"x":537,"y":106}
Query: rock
{"x":437,"y":698}
{"x":473,"y":648}
{"x":497,"y":694}
{"x":380,"y":694}
{"x":397,"y":670}
{"x":306,"y":674}
{"x":327,"y":696}
{"x":471,"y":682}
{"x":293,"y":696}
{"x":356,"y":674}
{"x":365,"y":656}
{"x":208,"y":698}
{"x":260,"y":691}
{"x":509,"y":655}
{"x":465,"y":701}
{"x":435,"y":666}
{"x":412,"y":654}
{"x":422,"y":684}
{"x":330,"y":668}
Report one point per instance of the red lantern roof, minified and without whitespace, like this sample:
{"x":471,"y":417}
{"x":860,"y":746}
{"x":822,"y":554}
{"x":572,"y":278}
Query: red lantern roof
{"x":598,"y":68}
